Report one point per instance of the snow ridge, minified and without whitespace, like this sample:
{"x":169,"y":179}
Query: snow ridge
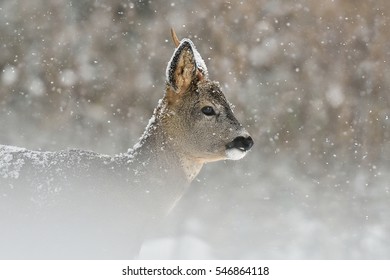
{"x":9,"y":166}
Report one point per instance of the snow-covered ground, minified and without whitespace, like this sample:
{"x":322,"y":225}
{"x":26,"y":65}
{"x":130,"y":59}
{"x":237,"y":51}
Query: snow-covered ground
{"x":276,"y":212}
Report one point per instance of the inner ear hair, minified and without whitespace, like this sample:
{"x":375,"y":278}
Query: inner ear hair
{"x":199,"y":75}
{"x":184,"y":69}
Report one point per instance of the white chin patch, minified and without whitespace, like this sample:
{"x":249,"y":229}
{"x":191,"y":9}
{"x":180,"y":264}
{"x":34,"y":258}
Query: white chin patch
{"x":235,"y":154}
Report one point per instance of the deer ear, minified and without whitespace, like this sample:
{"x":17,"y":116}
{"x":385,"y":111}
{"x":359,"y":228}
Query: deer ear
{"x":185,"y":66}
{"x":181,"y":70}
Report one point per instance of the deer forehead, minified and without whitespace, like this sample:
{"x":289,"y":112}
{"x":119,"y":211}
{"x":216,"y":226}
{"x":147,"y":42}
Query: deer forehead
{"x":211,"y":92}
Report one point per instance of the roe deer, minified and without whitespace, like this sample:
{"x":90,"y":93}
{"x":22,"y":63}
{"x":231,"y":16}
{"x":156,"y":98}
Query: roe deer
{"x":81,"y":204}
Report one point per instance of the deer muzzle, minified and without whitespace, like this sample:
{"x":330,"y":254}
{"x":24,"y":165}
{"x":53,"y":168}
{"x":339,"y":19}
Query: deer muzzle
{"x":238,"y":148}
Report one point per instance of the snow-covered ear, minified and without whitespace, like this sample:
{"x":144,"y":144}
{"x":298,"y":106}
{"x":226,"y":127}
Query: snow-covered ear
{"x":181,"y":70}
{"x":185,"y":66}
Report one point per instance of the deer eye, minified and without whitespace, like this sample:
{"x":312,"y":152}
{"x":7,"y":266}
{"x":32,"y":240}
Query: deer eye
{"x":208,"y":111}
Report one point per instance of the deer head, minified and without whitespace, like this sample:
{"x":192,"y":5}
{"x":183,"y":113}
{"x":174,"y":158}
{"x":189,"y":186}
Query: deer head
{"x":198,"y":119}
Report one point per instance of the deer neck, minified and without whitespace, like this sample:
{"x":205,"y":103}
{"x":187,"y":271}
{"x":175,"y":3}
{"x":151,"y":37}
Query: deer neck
{"x":191,"y":167}
{"x":158,"y":151}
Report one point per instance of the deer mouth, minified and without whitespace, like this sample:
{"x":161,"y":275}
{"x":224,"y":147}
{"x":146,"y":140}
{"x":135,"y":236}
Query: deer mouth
{"x":238,"y":148}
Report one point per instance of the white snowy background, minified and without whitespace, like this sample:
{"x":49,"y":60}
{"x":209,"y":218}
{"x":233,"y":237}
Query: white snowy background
{"x":310,"y":80}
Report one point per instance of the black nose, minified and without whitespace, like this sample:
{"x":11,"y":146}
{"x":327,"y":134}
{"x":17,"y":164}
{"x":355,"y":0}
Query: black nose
{"x":241,"y":143}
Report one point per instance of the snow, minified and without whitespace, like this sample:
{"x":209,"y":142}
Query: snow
{"x":12,"y":160}
{"x":335,"y":95}
{"x":68,"y":77}
{"x":9,"y":75}
{"x":36,"y":87}
{"x":168,"y":248}
{"x":10,"y":168}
